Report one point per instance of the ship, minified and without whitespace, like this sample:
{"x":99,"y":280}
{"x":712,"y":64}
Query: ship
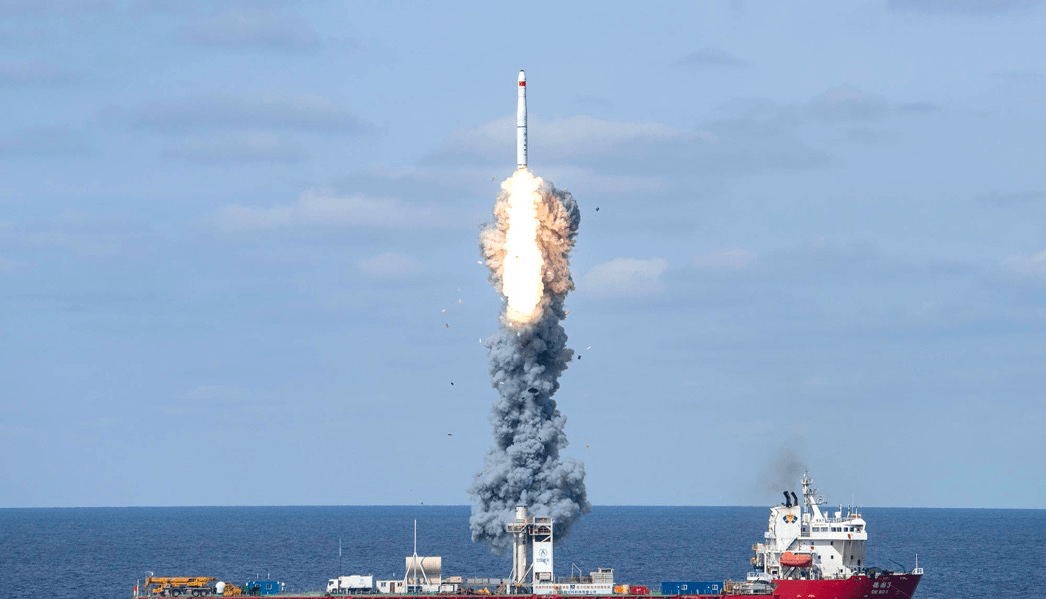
{"x":807,"y":553}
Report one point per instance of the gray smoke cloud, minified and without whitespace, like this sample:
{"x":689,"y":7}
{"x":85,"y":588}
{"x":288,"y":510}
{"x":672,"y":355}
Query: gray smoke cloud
{"x":523,"y":467}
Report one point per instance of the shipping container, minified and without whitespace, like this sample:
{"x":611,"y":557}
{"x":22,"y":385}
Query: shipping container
{"x":691,"y":587}
{"x":262,"y":587}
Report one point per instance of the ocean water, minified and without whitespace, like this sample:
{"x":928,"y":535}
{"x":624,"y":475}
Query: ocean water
{"x":99,"y":552}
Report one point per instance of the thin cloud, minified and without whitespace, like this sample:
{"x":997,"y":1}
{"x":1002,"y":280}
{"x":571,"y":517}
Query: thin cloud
{"x":21,"y":8}
{"x":710,"y":58}
{"x":734,"y":145}
{"x":626,"y":277}
{"x":832,"y":262}
{"x":77,"y":234}
{"x":238,"y":149}
{"x":248,"y":28}
{"x":1027,"y":266}
{"x":44,"y":142}
{"x":8,"y":265}
{"x":743,"y":146}
{"x":33,"y":73}
{"x":207,"y":113}
{"x":1013,"y":197}
{"x":867,"y":135}
{"x":726,"y":260}
{"x":320,"y":208}
{"x":211,"y":394}
{"x":821,"y":258}
{"x":596,"y":101}
{"x":1019,"y":76}
{"x":560,"y":135}
{"x":917,"y":108}
{"x":848,"y":103}
{"x":390,"y":265}
{"x":960,"y":7}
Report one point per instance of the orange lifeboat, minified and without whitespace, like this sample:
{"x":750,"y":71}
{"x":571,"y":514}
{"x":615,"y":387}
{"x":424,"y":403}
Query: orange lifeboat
{"x":796,"y":560}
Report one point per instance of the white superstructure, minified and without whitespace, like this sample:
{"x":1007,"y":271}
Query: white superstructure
{"x":805,"y":542}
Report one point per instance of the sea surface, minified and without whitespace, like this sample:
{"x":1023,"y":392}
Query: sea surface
{"x":100,"y":552}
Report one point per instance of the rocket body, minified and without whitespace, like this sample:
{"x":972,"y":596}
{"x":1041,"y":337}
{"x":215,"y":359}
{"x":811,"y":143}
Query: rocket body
{"x":521,"y":123}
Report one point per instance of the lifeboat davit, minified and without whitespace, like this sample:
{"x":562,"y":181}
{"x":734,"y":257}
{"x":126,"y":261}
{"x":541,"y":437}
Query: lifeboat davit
{"x":796,"y":560}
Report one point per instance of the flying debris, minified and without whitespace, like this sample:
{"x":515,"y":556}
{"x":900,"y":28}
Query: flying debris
{"x":527,"y":249}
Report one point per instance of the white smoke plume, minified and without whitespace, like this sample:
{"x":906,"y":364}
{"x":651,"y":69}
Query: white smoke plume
{"x":527,"y":249}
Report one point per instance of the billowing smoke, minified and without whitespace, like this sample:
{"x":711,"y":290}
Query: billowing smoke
{"x":527,"y":249}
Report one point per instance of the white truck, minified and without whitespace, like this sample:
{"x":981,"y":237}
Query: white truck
{"x":350,"y":585}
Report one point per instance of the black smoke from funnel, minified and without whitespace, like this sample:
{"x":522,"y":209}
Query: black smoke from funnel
{"x":784,"y":468}
{"x":524,"y":467}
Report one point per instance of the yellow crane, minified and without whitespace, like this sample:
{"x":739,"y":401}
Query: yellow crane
{"x":177,"y":586}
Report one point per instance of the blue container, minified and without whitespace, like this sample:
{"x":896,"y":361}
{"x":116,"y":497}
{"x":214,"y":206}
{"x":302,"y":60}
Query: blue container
{"x":691,"y":587}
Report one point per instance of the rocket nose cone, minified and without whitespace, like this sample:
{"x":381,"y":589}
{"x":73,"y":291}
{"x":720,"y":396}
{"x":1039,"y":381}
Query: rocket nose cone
{"x":522,"y":75}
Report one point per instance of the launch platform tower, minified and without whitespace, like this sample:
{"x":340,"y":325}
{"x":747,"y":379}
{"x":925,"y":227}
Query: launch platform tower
{"x":537,"y":533}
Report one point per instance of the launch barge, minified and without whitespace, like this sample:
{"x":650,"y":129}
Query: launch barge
{"x":806,"y":553}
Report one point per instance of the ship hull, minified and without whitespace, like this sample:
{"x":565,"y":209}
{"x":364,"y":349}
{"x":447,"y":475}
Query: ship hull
{"x":884,"y":586}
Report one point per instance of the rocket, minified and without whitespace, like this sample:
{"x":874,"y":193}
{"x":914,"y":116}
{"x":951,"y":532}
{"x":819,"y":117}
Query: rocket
{"x":521,"y":123}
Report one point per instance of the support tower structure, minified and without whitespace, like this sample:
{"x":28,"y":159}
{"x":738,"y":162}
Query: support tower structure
{"x":534,"y":534}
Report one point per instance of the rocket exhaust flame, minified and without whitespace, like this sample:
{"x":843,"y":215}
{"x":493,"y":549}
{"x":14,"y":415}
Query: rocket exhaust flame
{"x":527,"y":249}
{"x":521,"y":275}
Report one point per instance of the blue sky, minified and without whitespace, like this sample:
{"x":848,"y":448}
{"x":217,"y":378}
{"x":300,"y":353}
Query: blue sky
{"x":238,"y":248}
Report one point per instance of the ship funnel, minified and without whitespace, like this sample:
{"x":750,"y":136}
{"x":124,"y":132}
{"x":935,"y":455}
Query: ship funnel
{"x":795,"y":499}
{"x":788,"y":500}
